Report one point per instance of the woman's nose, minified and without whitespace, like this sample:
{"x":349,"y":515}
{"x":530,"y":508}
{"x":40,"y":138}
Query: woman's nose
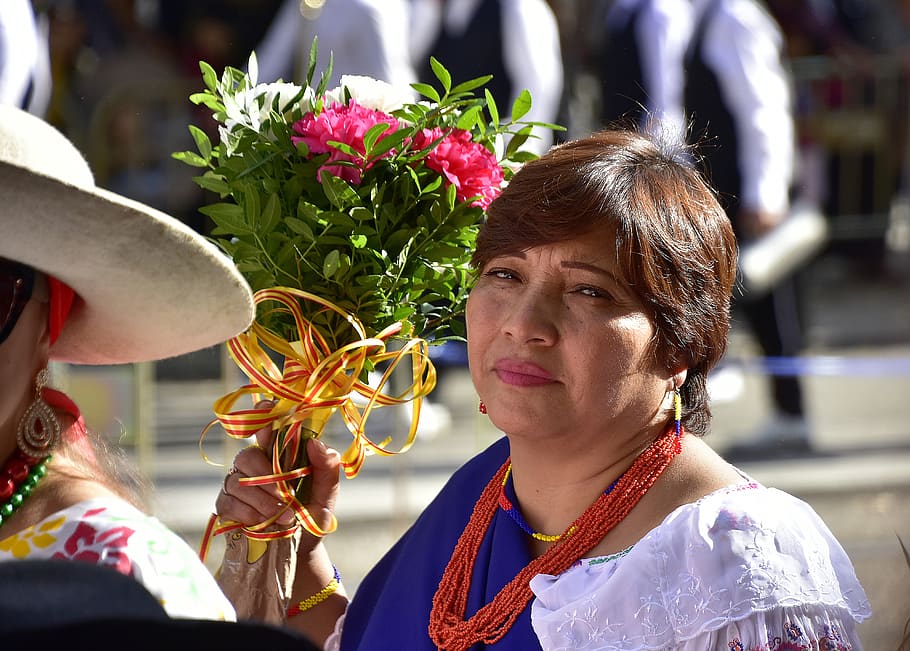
{"x":531,"y":317}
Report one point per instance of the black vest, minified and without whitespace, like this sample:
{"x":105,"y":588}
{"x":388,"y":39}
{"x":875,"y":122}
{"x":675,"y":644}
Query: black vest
{"x":623,"y":96}
{"x":476,"y":53}
{"x":713,"y":130}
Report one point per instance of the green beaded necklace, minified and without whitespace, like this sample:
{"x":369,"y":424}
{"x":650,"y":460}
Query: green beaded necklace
{"x":24,"y":489}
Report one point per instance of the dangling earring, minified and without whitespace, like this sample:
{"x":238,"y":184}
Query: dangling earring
{"x":482,"y":408}
{"x":677,"y":411}
{"x":39,"y":429}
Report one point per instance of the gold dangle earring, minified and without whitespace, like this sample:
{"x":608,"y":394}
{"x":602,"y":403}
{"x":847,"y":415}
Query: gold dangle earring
{"x":39,"y":430}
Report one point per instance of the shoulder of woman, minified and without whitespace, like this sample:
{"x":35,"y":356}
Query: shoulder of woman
{"x":107,"y":530}
{"x":738,"y":551}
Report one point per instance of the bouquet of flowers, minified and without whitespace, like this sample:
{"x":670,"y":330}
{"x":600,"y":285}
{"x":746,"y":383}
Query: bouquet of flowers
{"x":353,"y":213}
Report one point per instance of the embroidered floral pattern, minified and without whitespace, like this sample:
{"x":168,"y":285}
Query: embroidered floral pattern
{"x":829,"y":639}
{"x":721,"y":573}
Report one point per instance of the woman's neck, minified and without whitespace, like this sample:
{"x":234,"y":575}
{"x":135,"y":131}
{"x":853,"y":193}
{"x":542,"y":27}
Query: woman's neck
{"x":556,"y":482}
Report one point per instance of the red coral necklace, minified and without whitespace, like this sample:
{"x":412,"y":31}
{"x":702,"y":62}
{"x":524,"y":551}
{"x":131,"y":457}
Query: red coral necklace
{"x":448,"y":627}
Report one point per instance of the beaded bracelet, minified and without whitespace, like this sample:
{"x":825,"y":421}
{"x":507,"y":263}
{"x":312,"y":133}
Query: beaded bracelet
{"x":317,"y":598}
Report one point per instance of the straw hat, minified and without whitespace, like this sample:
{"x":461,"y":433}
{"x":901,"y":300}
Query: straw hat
{"x":148,"y":287}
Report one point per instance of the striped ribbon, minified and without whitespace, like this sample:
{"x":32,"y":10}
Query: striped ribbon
{"x":316,"y":381}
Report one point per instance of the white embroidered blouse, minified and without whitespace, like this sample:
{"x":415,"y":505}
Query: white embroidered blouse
{"x":744,"y":568}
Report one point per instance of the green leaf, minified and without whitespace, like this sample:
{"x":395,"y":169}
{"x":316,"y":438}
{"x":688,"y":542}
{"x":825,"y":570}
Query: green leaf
{"x":209,"y":101}
{"x":271,"y":214}
{"x":361,"y":214}
{"x":517,"y":140}
{"x":330,"y":263}
{"x":228,"y":216}
{"x":427,"y":91}
{"x":521,"y":106}
{"x":190,"y":158}
{"x":372,"y":135}
{"x":209,"y":76}
{"x":441,"y":74}
{"x":471,"y":84}
{"x":469,"y":118}
{"x":249,"y":266}
{"x":359,"y":241}
{"x":213,"y":182}
{"x":307,"y":211}
{"x":337,"y":191}
{"x":491,"y":107}
{"x":300,"y":227}
{"x":311,"y":61}
{"x":202,"y":142}
{"x":388,"y":142}
{"x":251,"y":206}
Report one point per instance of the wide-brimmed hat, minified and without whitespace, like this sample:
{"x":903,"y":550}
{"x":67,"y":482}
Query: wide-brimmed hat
{"x":147,"y":286}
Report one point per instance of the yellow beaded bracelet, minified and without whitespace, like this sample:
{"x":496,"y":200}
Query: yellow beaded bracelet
{"x":317,"y":598}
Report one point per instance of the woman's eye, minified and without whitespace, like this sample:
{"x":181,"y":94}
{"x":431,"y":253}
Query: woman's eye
{"x":593,"y":292}
{"x":499,"y":273}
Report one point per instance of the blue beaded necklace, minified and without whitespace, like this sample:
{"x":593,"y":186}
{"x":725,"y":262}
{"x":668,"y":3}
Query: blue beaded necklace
{"x":505,"y":503}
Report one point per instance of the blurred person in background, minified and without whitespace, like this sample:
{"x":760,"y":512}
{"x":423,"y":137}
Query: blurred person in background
{"x":364,"y":37}
{"x":25,"y":68}
{"x":739,"y":96}
{"x":517,"y":41}
{"x":713,"y":72}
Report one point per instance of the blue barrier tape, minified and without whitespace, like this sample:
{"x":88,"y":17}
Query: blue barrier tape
{"x":822,"y":365}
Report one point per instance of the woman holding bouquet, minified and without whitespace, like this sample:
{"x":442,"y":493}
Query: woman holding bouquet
{"x":601,"y":519}
{"x":89,"y":277}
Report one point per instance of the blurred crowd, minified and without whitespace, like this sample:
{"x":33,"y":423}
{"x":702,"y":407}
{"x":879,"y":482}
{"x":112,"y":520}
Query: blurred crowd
{"x":821,"y":98}
{"x":116,"y":73}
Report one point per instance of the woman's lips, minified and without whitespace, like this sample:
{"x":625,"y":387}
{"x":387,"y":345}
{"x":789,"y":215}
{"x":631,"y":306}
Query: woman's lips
{"x":521,"y":374}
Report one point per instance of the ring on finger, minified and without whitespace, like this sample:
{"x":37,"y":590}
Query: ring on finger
{"x":224,"y":488}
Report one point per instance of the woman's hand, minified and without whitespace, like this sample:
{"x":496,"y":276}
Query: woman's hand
{"x":252,"y":505}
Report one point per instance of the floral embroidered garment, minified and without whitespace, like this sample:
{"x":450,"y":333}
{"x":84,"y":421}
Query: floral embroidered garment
{"x":746,"y":568}
{"x":111,"y":532}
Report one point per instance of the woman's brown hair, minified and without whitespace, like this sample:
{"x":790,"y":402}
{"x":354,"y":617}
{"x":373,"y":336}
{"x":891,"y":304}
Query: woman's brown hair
{"x":674,"y":243}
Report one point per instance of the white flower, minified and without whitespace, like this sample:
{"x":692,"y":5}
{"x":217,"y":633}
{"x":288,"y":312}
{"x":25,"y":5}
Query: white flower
{"x":250,"y":108}
{"x":371,"y":93}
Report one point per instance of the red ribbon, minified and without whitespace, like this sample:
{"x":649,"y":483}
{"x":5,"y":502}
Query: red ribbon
{"x":61,"y":301}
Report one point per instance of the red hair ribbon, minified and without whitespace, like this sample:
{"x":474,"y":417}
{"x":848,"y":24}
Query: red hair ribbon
{"x":61,"y":301}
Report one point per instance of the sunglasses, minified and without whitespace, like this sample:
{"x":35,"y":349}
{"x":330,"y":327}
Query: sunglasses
{"x":16,"y":284}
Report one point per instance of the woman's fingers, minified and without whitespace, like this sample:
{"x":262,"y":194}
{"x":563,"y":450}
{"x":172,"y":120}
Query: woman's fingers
{"x":251,"y":505}
{"x":326,"y":464}
{"x":247,"y":504}
{"x":265,"y":437}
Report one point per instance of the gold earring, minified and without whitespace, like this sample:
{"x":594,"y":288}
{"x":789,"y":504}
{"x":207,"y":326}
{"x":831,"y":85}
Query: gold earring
{"x":39,"y":430}
{"x":677,"y":411}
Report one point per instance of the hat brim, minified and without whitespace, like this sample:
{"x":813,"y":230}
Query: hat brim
{"x":148,"y":287}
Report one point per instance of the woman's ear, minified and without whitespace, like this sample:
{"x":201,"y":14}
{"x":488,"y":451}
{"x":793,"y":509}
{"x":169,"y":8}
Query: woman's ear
{"x":679,"y":377}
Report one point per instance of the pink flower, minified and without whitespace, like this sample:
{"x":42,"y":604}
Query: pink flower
{"x":468,"y":165}
{"x":345,"y":123}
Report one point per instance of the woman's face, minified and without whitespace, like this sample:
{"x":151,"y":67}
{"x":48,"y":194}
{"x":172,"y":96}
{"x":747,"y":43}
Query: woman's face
{"x":22,"y":354}
{"x":558,"y":344}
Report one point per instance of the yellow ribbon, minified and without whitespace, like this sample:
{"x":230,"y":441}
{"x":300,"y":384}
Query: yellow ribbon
{"x":315,"y":381}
